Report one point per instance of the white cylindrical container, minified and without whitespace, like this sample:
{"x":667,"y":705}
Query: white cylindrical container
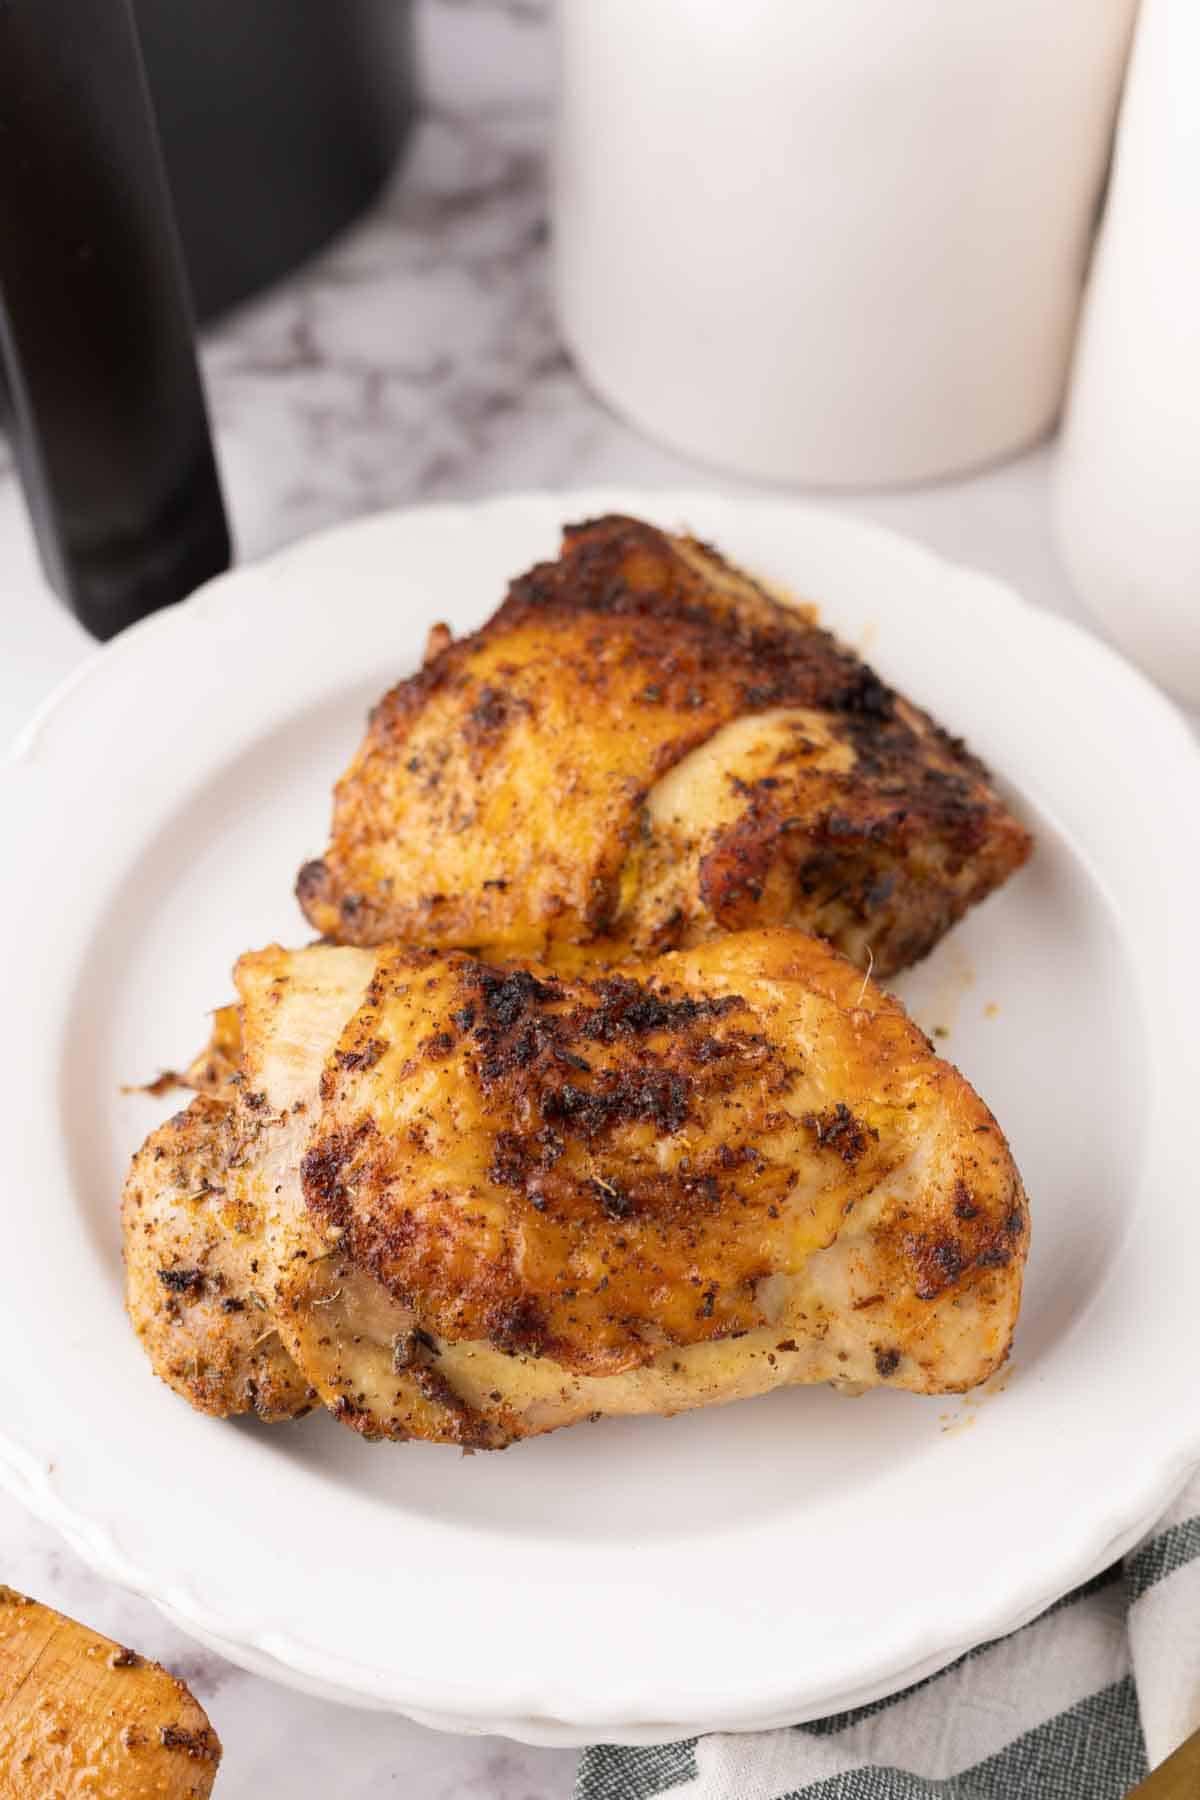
{"x":1128,"y":497}
{"x":831,"y":241}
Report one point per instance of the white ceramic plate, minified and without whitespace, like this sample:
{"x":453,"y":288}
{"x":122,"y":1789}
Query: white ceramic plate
{"x":641,"y":1579}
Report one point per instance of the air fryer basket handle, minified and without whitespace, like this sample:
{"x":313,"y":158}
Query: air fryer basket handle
{"x":101,"y":392}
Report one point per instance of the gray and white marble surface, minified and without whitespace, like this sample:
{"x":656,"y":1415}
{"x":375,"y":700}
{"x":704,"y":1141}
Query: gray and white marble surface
{"x":418,"y":359}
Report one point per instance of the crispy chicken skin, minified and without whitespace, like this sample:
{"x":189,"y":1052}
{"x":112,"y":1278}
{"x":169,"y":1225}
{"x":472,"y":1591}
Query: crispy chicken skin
{"x":642,"y":749}
{"x":497,"y":1199}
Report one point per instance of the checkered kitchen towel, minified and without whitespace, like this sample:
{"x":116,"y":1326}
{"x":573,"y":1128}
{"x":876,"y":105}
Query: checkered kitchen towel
{"x":1076,"y":1706}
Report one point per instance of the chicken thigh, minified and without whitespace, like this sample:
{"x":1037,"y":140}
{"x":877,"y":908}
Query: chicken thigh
{"x":642,"y":749}
{"x":493,"y":1200}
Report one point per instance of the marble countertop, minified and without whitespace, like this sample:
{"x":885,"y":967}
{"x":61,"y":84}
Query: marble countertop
{"x":417,"y":360}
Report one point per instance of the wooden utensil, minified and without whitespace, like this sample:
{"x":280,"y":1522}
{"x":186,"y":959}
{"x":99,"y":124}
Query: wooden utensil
{"x":1176,"y":1779}
{"x":82,"y":1715}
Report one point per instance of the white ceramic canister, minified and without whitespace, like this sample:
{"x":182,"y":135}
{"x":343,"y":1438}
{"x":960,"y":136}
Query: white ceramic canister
{"x":1128,"y":489}
{"x":831,"y":241}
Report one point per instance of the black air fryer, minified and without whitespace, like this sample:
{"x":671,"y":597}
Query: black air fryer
{"x":154,"y":155}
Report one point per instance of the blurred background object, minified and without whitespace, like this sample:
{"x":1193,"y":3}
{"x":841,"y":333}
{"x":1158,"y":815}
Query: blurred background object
{"x":832,"y":245}
{"x":277,"y":123}
{"x":1129,"y":462}
{"x":104,"y":404}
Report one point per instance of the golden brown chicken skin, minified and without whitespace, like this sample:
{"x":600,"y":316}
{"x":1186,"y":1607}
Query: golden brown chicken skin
{"x":599,"y":1170}
{"x":642,"y":749}
{"x":494,"y":1200}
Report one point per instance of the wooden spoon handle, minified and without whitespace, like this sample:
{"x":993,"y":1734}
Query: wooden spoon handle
{"x":1176,"y":1779}
{"x":81,"y":1715}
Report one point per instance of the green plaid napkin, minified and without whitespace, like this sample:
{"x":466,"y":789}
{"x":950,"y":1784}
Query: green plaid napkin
{"x":1076,"y":1706}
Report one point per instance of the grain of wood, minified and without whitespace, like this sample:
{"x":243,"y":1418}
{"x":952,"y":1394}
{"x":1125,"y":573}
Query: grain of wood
{"x":81,"y":1715}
